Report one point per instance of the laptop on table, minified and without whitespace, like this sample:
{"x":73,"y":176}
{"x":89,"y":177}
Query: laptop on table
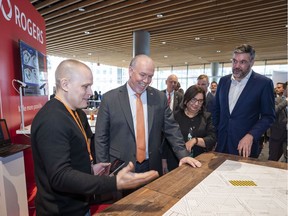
{"x":6,"y":146}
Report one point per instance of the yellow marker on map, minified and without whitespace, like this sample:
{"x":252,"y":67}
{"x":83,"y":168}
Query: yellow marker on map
{"x":242,"y":183}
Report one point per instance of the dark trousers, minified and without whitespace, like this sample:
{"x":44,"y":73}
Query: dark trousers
{"x":278,"y":138}
{"x":139,"y":168}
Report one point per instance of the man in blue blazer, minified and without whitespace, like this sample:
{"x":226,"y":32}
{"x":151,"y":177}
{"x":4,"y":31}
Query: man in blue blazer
{"x":115,"y":135}
{"x":244,"y":106}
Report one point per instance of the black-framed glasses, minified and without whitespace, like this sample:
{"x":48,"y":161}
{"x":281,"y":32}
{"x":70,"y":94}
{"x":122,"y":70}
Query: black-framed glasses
{"x":194,"y":100}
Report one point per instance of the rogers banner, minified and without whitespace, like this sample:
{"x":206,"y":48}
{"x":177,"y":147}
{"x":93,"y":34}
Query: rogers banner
{"x":19,"y":20}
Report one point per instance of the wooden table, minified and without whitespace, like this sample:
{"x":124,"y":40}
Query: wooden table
{"x":160,"y":195}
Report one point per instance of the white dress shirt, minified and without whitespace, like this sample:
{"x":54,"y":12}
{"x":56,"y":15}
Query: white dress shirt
{"x":236,"y":89}
{"x":132,"y":100}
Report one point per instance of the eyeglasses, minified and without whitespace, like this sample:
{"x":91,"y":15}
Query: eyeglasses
{"x":194,"y":100}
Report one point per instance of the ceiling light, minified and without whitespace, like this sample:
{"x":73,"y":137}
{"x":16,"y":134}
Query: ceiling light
{"x":165,"y":56}
{"x":86,"y":32}
{"x":159,"y":15}
{"x":81,"y":9}
{"x":218,"y":51}
{"x":197,"y":38}
{"x":89,"y":54}
{"x":163,"y":42}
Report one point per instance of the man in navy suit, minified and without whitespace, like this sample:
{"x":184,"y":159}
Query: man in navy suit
{"x":115,"y":132}
{"x":244,"y":106}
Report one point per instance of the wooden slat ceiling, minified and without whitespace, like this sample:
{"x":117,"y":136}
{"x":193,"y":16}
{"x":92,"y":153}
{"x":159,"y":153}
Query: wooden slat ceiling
{"x":220,"y":24}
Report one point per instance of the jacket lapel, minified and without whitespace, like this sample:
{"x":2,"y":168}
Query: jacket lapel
{"x":125,"y":106}
{"x":150,"y":108}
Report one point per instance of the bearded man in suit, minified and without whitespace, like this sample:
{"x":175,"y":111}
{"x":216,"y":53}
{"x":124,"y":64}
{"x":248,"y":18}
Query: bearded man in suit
{"x":244,"y":106}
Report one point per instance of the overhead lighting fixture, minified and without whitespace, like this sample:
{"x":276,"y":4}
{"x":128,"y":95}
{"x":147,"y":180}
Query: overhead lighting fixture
{"x":163,"y":42}
{"x":81,"y":9}
{"x":89,"y":54}
{"x":197,"y":38}
{"x":159,"y":15}
{"x":218,"y":51}
{"x":165,"y":56}
{"x":86,"y":32}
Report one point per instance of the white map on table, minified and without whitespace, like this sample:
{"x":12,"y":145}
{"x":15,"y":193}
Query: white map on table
{"x":215,"y":195}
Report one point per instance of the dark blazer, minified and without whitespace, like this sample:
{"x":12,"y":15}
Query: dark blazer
{"x":177,"y":100}
{"x":114,"y":132}
{"x":253,"y":113}
{"x":278,"y":130}
{"x":209,"y":102}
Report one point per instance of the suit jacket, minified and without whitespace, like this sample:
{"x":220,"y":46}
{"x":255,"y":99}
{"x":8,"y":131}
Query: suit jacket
{"x":177,"y":100}
{"x":278,"y":128}
{"x":253,"y":113}
{"x":209,"y":102}
{"x":114,"y":132}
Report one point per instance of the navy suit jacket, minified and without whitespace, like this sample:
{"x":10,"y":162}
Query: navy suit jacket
{"x":253,"y":113}
{"x":115,"y":135}
{"x":209,"y":102}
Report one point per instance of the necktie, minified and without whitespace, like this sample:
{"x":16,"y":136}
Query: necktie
{"x":169,"y":98}
{"x":140,"y":131}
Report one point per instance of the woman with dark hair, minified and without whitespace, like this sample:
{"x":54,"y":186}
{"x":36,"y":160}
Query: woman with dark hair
{"x":195,"y":125}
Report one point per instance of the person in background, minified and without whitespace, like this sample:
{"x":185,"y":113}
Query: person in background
{"x":62,"y":162}
{"x":279,"y":89}
{"x":244,"y":106}
{"x":116,"y":126}
{"x":54,"y":92}
{"x":203,"y":82}
{"x":278,"y":130}
{"x":213,"y":87}
{"x":174,"y":98}
{"x":179,"y":89}
{"x":195,"y":124}
{"x":95,"y":96}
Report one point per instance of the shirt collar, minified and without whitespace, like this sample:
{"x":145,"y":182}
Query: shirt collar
{"x":244,"y":80}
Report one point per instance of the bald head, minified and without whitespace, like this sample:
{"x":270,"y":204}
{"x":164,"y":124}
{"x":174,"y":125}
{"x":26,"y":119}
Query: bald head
{"x":68,"y":69}
{"x":141,"y":71}
{"x":171,"y":82}
{"x":73,"y":83}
